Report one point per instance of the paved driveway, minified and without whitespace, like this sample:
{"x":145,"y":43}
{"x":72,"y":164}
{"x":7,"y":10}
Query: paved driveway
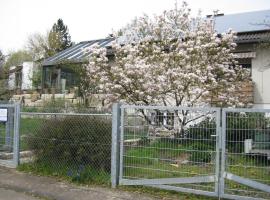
{"x":7,"y":194}
{"x":20,"y":186}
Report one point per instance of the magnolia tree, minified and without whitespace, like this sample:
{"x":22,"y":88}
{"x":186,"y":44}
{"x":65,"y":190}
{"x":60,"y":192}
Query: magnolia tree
{"x":170,"y":59}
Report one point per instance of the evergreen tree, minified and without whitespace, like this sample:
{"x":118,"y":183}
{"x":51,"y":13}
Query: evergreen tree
{"x":59,"y":37}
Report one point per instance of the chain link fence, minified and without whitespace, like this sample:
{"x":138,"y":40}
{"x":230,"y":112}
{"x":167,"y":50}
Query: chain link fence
{"x":75,"y":146}
{"x":8,"y":132}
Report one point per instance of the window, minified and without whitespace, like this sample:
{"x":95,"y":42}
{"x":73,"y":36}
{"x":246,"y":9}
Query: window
{"x":165,"y":119}
{"x":245,"y":63}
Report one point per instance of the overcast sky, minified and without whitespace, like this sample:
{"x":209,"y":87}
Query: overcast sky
{"x":94,"y":19}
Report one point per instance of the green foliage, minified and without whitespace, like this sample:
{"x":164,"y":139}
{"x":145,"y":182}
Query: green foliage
{"x":36,"y":78}
{"x":4,"y":92}
{"x":17,"y":58}
{"x":201,"y":153}
{"x":239,"y":127}
{"x":2,"y":58}
{"x":77,"y":174}
{"x":202,"y":130}
{"x":59,"y":37}
{"x":242,"y":126}
{"x":73,"y":141}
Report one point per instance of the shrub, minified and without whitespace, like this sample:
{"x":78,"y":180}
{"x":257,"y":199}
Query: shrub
{"x":74,"y":141}
{"x":239,"y":127}
{"x":201,"y":153}
{"x":244,"y":126}
{"x":203,"y":129}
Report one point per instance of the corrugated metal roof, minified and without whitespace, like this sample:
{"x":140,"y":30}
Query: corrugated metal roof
{"x":243,"y":22}
{"x":76,"y":53}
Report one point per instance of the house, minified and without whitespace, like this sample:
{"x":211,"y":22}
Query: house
{"x":20,"y":77}
{"x":58,"y":70}
{"x":251,"y":30}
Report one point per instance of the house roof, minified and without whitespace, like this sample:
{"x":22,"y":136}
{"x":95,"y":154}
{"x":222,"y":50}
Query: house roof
{"x":76,"y":53}
{"x":249,"y":26}
{"x":243,"y":22}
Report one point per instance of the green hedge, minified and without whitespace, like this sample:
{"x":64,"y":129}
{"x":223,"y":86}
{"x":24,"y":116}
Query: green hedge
{"x":74,"y":141}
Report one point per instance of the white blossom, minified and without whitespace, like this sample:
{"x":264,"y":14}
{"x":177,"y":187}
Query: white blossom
{"x":171,"y":59}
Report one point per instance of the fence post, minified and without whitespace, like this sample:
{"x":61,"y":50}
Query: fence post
{"x":9,"y":129}
{"x":223,"y":153}
{"x":16,"y":145}
{"x":115,"y":145}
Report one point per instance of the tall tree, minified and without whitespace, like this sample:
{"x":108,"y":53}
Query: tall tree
{"x":38,"y":46}
{"x":171,"y":59}
{"x":4,"y":93}
{"x":59,"y":37}
{"x":17,"y":58}
{"x":2,"y":57}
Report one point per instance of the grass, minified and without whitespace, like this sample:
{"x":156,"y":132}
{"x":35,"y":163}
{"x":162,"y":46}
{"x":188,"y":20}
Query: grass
{"x":165,"y":194}
{"x":151,"y":161}
{"x":73,"y":173}
{"x":2,"y":134}
{"x":89,"y":176}
{"x":29,"y":126}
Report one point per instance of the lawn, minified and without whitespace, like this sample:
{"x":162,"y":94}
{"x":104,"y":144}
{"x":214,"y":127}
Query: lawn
{"x":28,"y":128}
{"x":171,"y":160}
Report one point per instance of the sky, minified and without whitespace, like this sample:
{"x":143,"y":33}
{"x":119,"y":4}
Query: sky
{"x":94,"y":19}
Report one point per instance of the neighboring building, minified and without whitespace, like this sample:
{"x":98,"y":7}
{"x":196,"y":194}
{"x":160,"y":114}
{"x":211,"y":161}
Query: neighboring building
{"x":20,"y":77}
{"x":251,"y":33}
{"x":58,"y":70}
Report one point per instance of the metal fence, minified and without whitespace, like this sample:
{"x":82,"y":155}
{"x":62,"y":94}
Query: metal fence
{"x":223,"y":153}
{"x":170,"y":148}
{"x":9,"y":142}
{"x":77,"y":146}
{"x":246,"y":153}
{"x":210,"y":151}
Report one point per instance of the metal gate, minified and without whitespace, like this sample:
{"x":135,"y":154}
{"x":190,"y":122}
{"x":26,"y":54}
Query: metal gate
{"x":209,"y":151}
{"x":170,"y":148}
{"x":9,"y":134}
{"x":245,"y":165}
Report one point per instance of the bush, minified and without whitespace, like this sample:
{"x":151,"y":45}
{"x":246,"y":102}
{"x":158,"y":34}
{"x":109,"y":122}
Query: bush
{"x":239,"y":127}
{"x":203,"y":129}
{"x":244,"y":126}
{"x":201,"y":153}
{"x":74,"y":141}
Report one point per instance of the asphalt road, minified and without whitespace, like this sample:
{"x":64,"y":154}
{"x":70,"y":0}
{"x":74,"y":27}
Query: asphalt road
{"x":7,"y":194}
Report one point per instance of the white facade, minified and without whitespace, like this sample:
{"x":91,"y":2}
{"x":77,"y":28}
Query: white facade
{"x":26,"y":74}
{"x":261,"y":78}
{"x":12,"y":79}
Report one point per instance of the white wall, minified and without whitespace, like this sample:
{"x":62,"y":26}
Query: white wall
{"x":27,"y":74}
{"x":261,"y":78}
{"x":11,"y":79}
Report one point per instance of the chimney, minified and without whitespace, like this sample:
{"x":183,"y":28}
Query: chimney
{"x":215,"y":15}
